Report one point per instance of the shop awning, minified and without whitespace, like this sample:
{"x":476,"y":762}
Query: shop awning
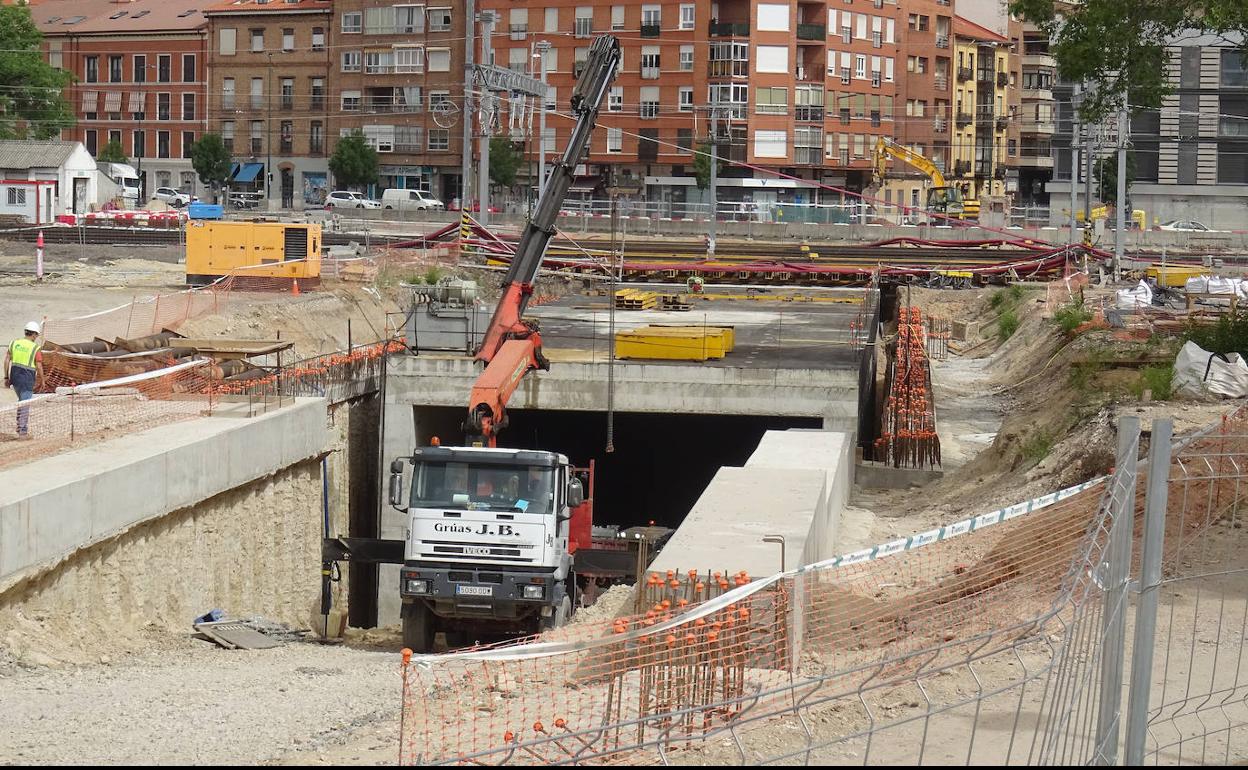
{"x":248,"y":172}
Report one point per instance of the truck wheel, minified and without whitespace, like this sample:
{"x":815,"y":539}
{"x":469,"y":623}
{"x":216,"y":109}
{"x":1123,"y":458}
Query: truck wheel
{"x":560,"y":616}
{"x":418,"y":628}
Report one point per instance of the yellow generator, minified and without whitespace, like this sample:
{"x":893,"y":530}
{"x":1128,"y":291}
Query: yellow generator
{"x":264,"y":253}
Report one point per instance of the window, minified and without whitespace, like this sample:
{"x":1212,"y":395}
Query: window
{"x":651,"y":15}
{"x":318,"y":93}
{"x":773,"y":18}
{"x":188,"y":68}
{"x":91,"y":141}
{"x":92,"y":72}
{"x":685,"y":99}
{"x":378,"y":62}
{"x":350,"y":101}
{"x":650,"y":62}
{"x":548,"y":140}
{"x":188,"y":106}
{"x":1233,"y":161}
{"x":379,"y":21}
{"x":226,"y":41}
{"x":318,"y":38}
{"x":439,"y":21}
{"x":1233,"y":116}
{"x":257,"y":93}
{"x":615,"y":140}
{"x":288,"y":39}
{"x":649,"y":102}
{"x":617,"y":18}
{"x":409,"y":19}
{"x":140,"y":69}
{"x":518,"y":23}
{"x":351,"y":61}
{"x":615,"y":99}
{"x":647,"y":144}
{"x":227,"y":93}
{"x":1234,"y":69}
{"x":257,"y":40}
{"x":729,"y":59}
{"x":17,"y":196}
{"x":686,"y":58}
{"x":439,"y":60}
{"x":409,"y":59}
{"x":164,"y":65}
{"x":583,"y":25}
{"x":316,"y":137}
{"x":438,"y":98}
{"x":518,"y":59}
{"x":257,"y":137}
{"x":684,"y":139}
{"x":188,"y":141}
{"x":771,"y":101}
{"x":288,"y":93}
{"x":138,"y":144}
{"x":162,"y":144}
{"x":687,"y":16}
{"x":112,"y":105}
{"x":771,"y":144}
{"x":114,"y":69}
{"x":352,"y":23}
{"x":439,"y":139}
{"x":552,"y":20}
{"x":860,"y":66}
{"x":162,"y":106}
{"x":286,"y":137}
{"x":227,"y":135}
{"x":773,"y":59}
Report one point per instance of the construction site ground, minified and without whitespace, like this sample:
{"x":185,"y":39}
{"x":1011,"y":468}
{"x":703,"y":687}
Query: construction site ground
{"x":167,"y":698}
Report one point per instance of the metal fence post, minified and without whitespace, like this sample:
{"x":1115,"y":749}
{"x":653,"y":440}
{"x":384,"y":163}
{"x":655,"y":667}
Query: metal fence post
{"x":1155,"y":503}
{"x":1117,"y":569}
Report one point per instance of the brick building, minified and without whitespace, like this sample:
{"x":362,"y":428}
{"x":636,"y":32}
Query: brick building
{"x":269,"y":94}
{"x":138,"y":68}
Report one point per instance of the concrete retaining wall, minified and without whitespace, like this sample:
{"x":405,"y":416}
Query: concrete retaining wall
{"x":52,"y":507}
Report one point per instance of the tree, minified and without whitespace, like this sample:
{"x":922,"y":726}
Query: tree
{"x":1118,"y":47}
{"x":111,"y":153}
{"x":211,"y":161}
{"x":1105,"y":172}
{"x":354,"y":163}
{"x":32,"y":92}
{"x":702,"y":165}
{"x":505,"y":158}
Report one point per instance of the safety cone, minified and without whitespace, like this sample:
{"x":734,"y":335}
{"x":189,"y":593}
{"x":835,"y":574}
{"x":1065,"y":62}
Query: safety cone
{"x":294,"y":288}
{"x":39,"y":257}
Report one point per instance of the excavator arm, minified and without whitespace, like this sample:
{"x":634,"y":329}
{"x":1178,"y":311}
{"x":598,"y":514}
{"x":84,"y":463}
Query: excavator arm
{"x":886,"y":148}
{"x":512,"y":345}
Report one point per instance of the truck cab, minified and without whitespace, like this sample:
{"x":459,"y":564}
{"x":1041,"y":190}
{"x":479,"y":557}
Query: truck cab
{"x":490,"y":541}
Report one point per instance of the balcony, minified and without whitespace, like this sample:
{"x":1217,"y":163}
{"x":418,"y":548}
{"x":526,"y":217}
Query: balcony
{"x":808,"y":156}
{"x":649,"y":73}
{"x":810,"y":74}
{"x":963,"y":119}
{"x":1037,"y":94}
{"x":650,"y":30}
{"x":728,"y":69}
{"x":983,"y":76}
{"x":1039,"y":60}
{"x":942,"y":41}
{"x":648,"y":152}
{"x":729,"y":30}
{"x":965,"y":74}
{"x":1003,"y":79}
{"x":983,"y":168}
{"x":808,"y":114}
{"x":940,"y":125}
{"x":812,"y":32}
{"x":1038,"y":128}
{"x":1003,"y":124}
{"x":942,"y":82}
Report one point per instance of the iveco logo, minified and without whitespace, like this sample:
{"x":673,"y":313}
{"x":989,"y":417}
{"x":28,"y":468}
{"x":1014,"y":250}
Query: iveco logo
{"x":501,"y":530}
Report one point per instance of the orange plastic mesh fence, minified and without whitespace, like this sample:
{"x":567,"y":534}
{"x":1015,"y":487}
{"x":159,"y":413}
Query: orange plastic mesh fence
{"x":335,"y":376}
{"x":52,"y":422}
{"x":142,"y":316}
{"x":889,"y":638}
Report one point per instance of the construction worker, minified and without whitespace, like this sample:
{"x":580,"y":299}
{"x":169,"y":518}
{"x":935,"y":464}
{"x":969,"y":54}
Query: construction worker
{"x":23,"y":371}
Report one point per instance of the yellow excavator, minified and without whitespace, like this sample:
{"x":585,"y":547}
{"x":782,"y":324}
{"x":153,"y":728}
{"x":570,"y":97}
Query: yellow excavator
{"x":942,"y":198}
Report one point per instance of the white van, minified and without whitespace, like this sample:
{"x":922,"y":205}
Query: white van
{"x":124,"y":176}
{"x":415,"y":200}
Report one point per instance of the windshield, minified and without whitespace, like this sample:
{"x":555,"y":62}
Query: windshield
{"x":484,"y":487}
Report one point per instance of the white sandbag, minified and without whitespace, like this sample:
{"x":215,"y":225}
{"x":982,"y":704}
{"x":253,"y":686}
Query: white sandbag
{"x":1140,"y":296}
{"x":1220,"y":285}
{"x":1197,"y":284}
{"x":1241,"y":288}
{"x":1200,"y":374}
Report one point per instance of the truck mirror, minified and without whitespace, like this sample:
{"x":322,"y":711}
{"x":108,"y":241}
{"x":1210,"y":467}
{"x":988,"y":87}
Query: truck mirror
{"x":576,"y":493}
{"x":396,"y":466}
{"x":396,"y":489}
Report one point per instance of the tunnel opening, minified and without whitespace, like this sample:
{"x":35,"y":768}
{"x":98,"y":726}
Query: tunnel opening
{"x":661,"y":463}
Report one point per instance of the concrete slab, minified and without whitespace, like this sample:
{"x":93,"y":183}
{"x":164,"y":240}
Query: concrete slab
{"x":51,"y":507}
{"x":740,"y":507}
{"x":828,"y":452}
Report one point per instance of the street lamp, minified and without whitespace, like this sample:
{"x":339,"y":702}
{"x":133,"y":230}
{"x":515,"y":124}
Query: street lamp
{"x":268,"y":139}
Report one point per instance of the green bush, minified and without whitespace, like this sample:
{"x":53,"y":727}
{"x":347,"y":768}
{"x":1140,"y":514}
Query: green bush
{"x":1229,"y":334}
{"x":1007,"y":324}
{"x":1037,"y":446}
{"x":1016,"y":292}
{"x":1158,"y":379}
{"x":1071,"y":317}
{"x":998,"y":299}
{"x":432,"y":275}
{"x":1082,"y":375}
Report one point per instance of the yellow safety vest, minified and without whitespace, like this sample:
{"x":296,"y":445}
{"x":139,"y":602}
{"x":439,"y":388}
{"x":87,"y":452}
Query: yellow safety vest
{"x":22,"y":352}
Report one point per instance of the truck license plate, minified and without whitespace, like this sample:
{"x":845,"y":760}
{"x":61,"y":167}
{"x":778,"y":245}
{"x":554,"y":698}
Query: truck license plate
{"x":476,"y":550}
{"x":475,"y":590}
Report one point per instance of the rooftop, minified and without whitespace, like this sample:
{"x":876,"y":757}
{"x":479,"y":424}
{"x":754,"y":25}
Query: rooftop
{"x":969,"y":29}
{"x":20,"y":154}
{"x":78,"y":17}
{"x":267,"y":6}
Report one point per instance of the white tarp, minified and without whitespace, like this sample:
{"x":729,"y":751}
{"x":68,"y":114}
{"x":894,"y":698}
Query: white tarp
{"x":1140,"y":296}
{"x":1200,"y":374}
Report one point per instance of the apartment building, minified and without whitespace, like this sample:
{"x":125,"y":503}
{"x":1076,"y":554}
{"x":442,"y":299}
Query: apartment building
{"x":980,"y":151}
{"x":1036,"y":118}
{"x":797,"y":90}
{"x":269,"y":95}
{"x":397,"y":76}
{"x":139,"y":79}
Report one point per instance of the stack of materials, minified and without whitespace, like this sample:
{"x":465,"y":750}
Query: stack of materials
{"x":908,"y":432}
{"x":675,"y":343}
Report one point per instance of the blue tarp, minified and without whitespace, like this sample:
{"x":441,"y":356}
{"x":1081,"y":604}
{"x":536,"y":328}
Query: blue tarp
{"x":248,"y":172}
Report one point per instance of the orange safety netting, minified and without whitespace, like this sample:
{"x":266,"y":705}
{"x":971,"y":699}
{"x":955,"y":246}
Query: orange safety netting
{"x":908,"y":430}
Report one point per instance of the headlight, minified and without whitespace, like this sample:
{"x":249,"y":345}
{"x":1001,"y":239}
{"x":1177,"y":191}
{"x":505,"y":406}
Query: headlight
{"x":418,"y":586}
{"x":534,"y":592}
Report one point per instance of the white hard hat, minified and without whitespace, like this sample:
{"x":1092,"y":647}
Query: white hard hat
{"x":33,"y":326}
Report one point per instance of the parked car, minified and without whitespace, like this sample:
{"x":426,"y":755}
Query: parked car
{"x":171,"y":196}
{"x":1185,"y":225}
{"x":411,"y":200}
{"x":246,"y":200}
{"x":348,"y":199}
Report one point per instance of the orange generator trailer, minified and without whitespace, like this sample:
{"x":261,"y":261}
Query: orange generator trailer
{"x":267,"y":254}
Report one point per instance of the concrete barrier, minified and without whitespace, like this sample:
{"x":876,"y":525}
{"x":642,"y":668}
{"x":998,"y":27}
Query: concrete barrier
{"x":52,"y":507}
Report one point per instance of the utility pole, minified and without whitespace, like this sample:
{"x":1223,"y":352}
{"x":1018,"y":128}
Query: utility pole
{"x":487,"y":111}
{"x":542,"y":47}
{"x":1074,"y":161}
{"x":1087,"y":177}
{"x":1120,"y":233}
{"x":710,"y":229}
{"x":268,"y":140}
{"x":466,"y":115}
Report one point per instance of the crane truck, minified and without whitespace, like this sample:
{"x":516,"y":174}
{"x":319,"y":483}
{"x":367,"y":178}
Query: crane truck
{"x":494,"y":533}
{"x":942,"y":198}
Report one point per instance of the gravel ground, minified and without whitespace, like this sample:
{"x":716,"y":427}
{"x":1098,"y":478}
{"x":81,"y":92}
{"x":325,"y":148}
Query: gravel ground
{"x":200,"y":704}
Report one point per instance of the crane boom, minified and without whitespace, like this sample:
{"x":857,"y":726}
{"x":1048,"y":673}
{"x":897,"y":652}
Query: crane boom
{"x":507,"y":363}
